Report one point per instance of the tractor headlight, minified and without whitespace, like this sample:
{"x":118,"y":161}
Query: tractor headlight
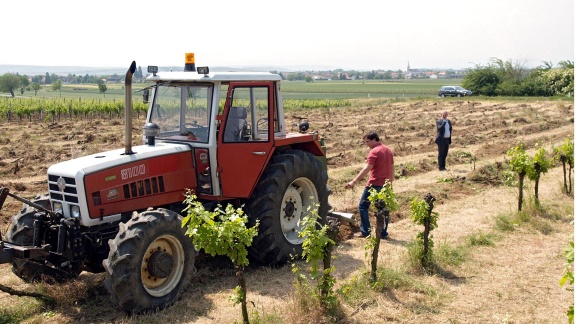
{"x":75,"y":211}
{"x":58,"y":208}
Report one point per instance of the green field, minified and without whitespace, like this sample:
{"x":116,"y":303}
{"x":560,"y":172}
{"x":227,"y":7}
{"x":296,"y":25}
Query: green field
{"x":348,"y":89}
{"x":364,"y":88}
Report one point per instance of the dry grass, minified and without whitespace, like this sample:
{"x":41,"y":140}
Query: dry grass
{"x":513,"y":280}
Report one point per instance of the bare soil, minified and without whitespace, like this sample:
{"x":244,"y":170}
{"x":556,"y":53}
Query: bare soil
{"x":514,"y":281}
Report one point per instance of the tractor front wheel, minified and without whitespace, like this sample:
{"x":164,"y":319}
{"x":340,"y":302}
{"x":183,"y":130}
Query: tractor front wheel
{"x":293,"y":182}
{"x":150,"y":263}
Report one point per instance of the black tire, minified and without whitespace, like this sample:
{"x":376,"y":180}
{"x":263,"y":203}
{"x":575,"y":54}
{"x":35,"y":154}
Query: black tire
{"x":442,"y":95}
{"x":133,"y":282}
{"x":280,"y":201}
{"x":21,"y":232}
{"x":458,"y":95}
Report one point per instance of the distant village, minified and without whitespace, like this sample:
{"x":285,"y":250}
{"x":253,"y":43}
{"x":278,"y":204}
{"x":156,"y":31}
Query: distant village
{"x":340,"y":74}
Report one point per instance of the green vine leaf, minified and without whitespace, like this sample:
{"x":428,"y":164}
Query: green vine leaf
{"x":386,"y":195}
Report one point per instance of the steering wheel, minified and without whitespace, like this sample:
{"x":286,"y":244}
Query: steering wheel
{"x":195,"y":129}
{"x":261,"y":122}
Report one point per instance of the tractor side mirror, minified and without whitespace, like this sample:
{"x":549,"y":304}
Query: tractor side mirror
{"x":146,"y":95}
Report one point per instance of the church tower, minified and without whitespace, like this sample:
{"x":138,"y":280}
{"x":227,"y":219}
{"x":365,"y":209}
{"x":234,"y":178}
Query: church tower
{"x":408,"y":67}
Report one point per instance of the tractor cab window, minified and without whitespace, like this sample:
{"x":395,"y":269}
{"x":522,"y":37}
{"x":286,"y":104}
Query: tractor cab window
{"x":248,"y":115}
{"x":183,"y":112}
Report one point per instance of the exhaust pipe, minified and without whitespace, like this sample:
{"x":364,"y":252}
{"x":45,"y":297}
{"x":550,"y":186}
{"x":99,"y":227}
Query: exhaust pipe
{"x":128,"y":109}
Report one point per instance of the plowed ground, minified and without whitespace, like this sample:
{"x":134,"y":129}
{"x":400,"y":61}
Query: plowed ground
{"x":514,"y":281}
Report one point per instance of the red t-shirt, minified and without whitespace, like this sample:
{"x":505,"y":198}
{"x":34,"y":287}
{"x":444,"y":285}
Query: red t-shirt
{"x":382,"y":160}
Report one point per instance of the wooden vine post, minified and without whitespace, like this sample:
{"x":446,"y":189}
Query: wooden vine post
{"x":565,"y":154}
{"x":540,"y":165}
{"x":421,"y":213}
{"x":520,"y":163}
{"x":380,"y":214}
{"x":332,"y":231}
{"x":425,"y":261}
{"x":319,"y":240}
{"x":382,"y":202}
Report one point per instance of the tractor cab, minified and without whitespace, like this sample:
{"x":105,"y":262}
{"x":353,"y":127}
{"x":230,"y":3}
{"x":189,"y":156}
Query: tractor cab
{"x":228,"y":120}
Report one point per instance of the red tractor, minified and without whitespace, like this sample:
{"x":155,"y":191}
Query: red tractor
{"x":221,"y":134}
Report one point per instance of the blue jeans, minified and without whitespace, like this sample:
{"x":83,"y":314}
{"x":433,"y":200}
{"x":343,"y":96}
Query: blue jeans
{"x":363,"y":209}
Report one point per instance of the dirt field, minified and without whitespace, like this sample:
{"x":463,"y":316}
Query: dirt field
{"x":514,"y":281}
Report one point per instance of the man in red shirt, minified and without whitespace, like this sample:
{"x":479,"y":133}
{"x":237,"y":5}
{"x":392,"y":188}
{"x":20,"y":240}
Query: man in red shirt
{"x":380,"y":166}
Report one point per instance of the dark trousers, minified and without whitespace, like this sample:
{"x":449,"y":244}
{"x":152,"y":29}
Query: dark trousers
{"x":442,"y":153}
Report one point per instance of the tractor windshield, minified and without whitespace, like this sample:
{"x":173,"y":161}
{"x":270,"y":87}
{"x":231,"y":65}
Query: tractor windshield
{"x":182,"y":112}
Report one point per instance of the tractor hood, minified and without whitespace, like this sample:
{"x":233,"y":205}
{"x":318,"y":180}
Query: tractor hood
{"x":106,"y":184}
{"x":105,"y":160}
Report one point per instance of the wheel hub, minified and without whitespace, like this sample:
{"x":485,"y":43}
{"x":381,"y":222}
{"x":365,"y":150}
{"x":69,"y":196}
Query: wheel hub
{"x":289,"y":209}
{"x":160,"y":264}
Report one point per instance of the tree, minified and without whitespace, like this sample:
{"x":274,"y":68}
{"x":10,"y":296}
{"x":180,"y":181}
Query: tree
{"x":508,"y":70}
{"x":47,"y":79}
{"x":546,"y":65}
{"x":25,"y":81}
{"x":560,"y":82}
{"x":509,"y":78}
{"x":534,"y":85}
{"x":296,"y":76}
{"x":54,"y":77}
{"x":566,"y":64}
{"x":383,"y":202}
{"x":35,"y":87}
{"x":37,"y":79}
{"x":9,"y":82}
{"x":387,"y":75}
{"x":138,"y":74}
{"x":483,"y":80}
{"x":57,"y":85}
{"x":102,"y":88}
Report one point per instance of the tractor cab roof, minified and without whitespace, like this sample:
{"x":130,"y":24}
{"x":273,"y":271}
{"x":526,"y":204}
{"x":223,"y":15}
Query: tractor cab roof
{"x":183,"y":76}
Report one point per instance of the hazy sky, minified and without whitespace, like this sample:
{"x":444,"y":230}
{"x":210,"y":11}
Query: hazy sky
{"x":359,"y":34}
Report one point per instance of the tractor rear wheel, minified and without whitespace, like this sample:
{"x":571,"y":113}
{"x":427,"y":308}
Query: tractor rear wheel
{"x":21,"y":232}
{"x":292,"y":182}
{"x":150,"y":263}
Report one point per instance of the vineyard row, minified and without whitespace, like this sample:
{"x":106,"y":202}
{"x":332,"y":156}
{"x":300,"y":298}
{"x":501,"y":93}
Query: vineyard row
{"x":54,"y":109}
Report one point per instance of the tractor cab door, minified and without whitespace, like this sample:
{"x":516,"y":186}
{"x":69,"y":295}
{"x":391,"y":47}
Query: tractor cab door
{"x":246,"y":137}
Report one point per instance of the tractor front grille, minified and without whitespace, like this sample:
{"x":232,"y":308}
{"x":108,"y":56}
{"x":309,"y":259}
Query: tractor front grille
{"x":62,"y":190}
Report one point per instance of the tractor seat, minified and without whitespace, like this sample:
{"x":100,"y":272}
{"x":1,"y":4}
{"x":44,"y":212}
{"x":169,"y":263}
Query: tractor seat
{"x":236,"y":124}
